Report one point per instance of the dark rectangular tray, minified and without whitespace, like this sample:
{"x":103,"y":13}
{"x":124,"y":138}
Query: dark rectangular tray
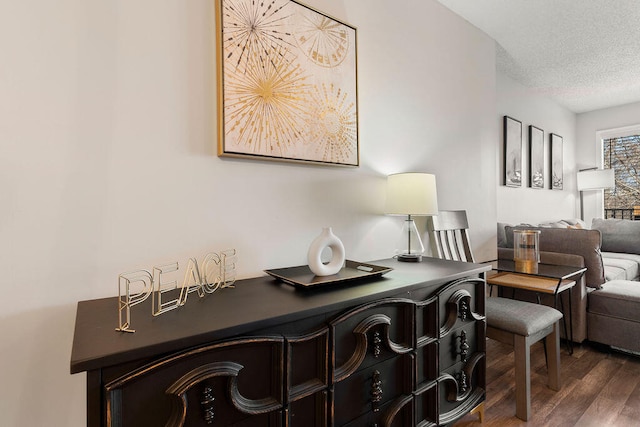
{"x":303,"y":277}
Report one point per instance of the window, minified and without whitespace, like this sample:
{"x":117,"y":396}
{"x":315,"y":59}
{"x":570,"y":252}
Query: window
{"x":623,"y":155}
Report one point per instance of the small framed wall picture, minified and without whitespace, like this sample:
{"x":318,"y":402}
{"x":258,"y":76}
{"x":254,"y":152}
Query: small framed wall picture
{"x":536,"y":157}
{"x":557,"y":174}
{"x":512,"y":152}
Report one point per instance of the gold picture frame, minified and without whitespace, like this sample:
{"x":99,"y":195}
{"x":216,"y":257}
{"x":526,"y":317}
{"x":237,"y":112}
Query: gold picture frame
{"x":287,"y":83}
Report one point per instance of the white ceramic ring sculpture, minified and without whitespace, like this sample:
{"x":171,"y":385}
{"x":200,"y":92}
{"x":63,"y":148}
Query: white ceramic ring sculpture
{"x":324,"y":240}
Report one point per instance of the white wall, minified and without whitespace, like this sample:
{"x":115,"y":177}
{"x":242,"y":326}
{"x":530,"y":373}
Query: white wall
{"x":108,"y":164}
{"x":591,"y":127}
{"x":524,"y":204}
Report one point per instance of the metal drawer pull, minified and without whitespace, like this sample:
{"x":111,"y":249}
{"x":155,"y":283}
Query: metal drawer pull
{"x":376,"y":344}
{"x":464,"y":308}
{"x":464,"y":346}
{"x":462,"y":382}
{"x":207,"y":405}
{"x":376,"y":391}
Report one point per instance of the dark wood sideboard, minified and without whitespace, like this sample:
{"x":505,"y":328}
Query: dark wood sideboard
{"x":404,"y":349}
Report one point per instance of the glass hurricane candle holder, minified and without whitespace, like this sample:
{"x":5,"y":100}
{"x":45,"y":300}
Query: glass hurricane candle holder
{"x":526,"y":252}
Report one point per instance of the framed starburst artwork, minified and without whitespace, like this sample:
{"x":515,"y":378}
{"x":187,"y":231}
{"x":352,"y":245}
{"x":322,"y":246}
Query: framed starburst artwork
{"x":287,"y":83}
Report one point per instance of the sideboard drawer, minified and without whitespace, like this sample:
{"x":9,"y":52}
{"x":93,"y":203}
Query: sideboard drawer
{"x":458,"y":345}
{"x":427,"y":364}
{"x":426,"y":405}
{"x":309,"y":411}
{"x":369,"y":389}
{"x":461,"y":302}
{"x":397,"y":413}
{"x":370,"y":334}
{"x":461,"y":387}
{"x":427,"y":326}
{"x":307,"y":368}
{"x":237,"y":382}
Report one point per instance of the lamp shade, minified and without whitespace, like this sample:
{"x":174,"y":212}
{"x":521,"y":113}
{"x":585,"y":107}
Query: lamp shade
{"x":595,"y":179}
{"x":412,"y":194}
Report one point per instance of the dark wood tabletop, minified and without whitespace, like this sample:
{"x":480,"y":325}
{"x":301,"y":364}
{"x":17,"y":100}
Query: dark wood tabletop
{"x":252,"y":304}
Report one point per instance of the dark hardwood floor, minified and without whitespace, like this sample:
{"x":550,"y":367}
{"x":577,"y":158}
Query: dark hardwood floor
{"x":600,"y":388}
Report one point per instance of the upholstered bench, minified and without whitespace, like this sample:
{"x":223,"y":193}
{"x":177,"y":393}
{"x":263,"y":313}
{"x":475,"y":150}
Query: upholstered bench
{"x":521,"y":324}
{"x":615,"y":309}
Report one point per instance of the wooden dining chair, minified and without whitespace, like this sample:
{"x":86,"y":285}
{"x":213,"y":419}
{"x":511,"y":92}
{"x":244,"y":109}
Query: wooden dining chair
{"x":449,"y":232}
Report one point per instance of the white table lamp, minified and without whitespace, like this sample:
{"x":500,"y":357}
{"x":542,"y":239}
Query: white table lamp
{"x":411,"y":194}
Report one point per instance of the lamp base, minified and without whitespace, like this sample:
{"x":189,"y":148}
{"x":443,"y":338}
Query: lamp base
{"x":410,"y":257}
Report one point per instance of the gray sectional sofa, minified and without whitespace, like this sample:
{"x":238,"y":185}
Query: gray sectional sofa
{"x":606,"y":301}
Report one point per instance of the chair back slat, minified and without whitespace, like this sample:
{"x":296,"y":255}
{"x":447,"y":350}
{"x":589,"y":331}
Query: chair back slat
{"x":450,"y":235}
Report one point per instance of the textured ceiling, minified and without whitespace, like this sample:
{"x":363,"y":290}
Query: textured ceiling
{"x":585,"y":54}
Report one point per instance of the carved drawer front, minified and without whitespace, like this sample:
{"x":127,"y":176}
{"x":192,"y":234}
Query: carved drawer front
{"x":238,"y":383}
{"x":368,"y":390}
{"x":461,"y":388}
{"x":460,"y":344}
{"x":309,"y":411}
{"x":461,"y":303}
{"x":398,"y":413}
{"x":426,"y":404}
{"x":370,"y":334}
{"x":307,"y":363}
{"x":427,"y":324}
{"x":427,"y":364}
{"x":307,"y":379}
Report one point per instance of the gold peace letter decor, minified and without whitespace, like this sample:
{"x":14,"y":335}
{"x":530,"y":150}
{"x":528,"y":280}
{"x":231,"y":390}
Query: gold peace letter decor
{"x":214,"y":272}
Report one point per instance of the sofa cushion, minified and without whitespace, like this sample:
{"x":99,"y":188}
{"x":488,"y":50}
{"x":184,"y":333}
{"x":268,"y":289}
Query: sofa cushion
{"x":630,"y":263}
{"x":617,"y":298}
{"x":616,"y":269}
{"x":614,"y":273}
{"x":564,"y":223}
{"x":585,"y":243}
{"x":619,"y":268}
{"x":618,"y":235}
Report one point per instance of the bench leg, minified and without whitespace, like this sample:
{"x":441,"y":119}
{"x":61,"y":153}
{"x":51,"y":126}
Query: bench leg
{"x":522,"y":355}
{"x":553,"y":357}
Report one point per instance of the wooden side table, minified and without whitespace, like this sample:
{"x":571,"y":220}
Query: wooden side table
{"x":549,"y":279}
